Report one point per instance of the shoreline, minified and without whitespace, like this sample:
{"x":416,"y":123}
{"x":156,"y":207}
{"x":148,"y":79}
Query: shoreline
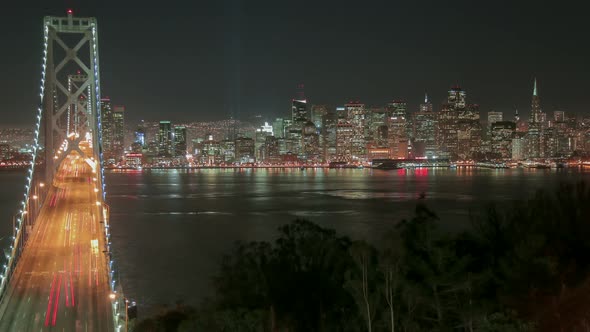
{"x":327,"y":167}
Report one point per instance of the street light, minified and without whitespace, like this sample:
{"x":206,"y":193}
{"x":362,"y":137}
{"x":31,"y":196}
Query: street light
{"x":126,"y":315}
{"x":35,"y":196}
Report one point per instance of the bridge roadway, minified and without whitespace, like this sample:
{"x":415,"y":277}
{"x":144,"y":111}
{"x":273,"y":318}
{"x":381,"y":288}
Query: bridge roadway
{"x":61,"y":282}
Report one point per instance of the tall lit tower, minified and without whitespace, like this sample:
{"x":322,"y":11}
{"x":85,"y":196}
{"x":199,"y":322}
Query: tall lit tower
{"x":535,"y":126}
{"x":536,"y":112}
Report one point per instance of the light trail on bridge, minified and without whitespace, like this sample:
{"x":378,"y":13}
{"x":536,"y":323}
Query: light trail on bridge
{"x":61,"y":282}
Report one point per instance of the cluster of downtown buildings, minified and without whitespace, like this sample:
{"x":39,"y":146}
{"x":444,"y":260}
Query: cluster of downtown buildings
{"x":356,"y":134}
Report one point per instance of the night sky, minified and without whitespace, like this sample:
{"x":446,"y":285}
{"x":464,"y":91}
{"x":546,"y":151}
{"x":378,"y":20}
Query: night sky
{"x":203,"y":60}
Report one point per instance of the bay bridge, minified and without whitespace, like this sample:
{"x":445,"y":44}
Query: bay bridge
{"x":58,"y":270}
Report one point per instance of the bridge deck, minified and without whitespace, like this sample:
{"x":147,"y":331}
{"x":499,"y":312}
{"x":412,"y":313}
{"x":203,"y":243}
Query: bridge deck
{"x":61,"y":282}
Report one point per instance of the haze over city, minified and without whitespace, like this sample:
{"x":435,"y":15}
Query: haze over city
{"x":268,"y":166}
{"x":188,"y":62}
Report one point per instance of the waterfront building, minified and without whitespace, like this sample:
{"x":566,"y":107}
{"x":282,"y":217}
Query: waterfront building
{"x":271,"y":150}
{"x":374,"y":152}
{"x":244,"y":150}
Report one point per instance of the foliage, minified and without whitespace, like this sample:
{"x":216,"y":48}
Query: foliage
{"x":521,"y":268}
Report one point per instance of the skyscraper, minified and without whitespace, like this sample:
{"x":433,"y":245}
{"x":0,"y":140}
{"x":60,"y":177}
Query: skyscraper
{"x":180,"y":146}
{"x":536,"y":120}
{"x":502,"y":136}
{"x":264,"y":131}
{"x":356,"y":117}
{"x":139,"y":135}
{"x":271,"y":150}
{"x":424,"y":130}
{"x":299,"y":111}
{"x":344,"y":136}
{"x":398,"y":129}
{"x":113,"y":130}
{"x":448,"y":123}
{"x":377,"y":121}
{"x":106,"y":115}
{"x":469,"y":132}
{"x":244,"y":150}
{"x":493,"y":117}
{"x":278,"y":128}
{"x":165,"y":139}
{"x":311,"y":142}
{"x":457,"y":97}
{"x":459,"y":128}
{"x":318,"y":113}
{"x":329,"y":136}
{"x":118,"y":145}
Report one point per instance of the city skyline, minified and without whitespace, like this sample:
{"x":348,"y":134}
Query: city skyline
{"x":236,"y":58}
{"x":106,"y":216}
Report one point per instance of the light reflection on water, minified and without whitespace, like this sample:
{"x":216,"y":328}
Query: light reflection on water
{"x":171,"y":227}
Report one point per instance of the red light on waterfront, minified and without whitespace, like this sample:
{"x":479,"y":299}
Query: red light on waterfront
{"x":421,"y":172}
{"x":70,"y":12}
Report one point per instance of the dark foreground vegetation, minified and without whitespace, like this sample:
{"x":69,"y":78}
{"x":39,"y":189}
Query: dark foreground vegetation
{"x":520,"y":267}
